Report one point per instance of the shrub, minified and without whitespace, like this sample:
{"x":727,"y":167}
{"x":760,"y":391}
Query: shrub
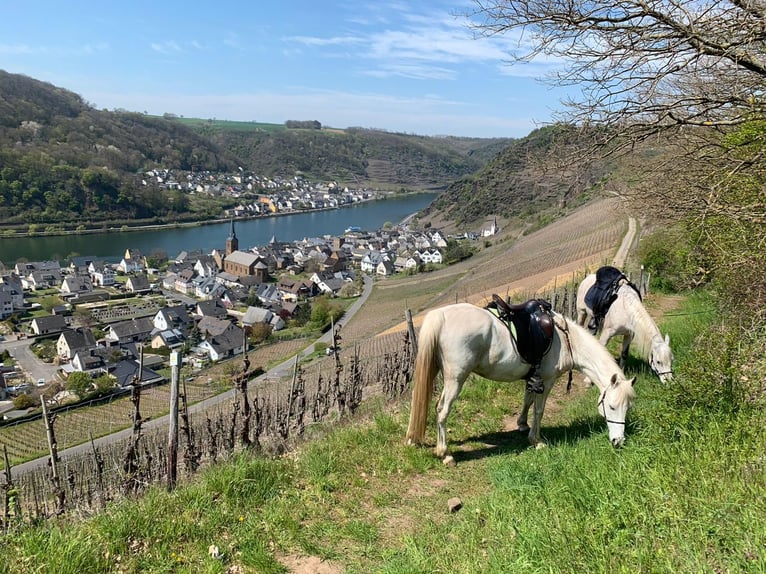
{"x":22,"y":402}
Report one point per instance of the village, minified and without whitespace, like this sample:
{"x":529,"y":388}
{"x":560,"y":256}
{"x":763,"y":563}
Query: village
{"x":122,"y":320}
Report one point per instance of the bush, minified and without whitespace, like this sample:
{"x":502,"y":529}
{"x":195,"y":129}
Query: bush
{"x":665,"y":255}
{"x":23,"y":402}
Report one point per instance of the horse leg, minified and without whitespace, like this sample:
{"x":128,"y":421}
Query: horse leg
{"x":539,"y":400}
{"x":627,"y":339}
{"x":452,"y":386}
{"x":521,"y":422}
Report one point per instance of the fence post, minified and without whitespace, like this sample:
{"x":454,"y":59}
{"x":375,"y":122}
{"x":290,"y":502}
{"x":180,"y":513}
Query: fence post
{"x":411,"y":329}
{"x":58,"y":492}
{"x":172,"y":462}
{"x":7,"y":489}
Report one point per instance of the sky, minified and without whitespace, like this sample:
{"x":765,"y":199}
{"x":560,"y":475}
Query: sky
{"x":403,"y":66}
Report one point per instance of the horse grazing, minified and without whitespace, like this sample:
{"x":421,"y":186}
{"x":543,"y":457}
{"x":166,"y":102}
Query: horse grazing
{"x":628,"y":317}
{"x":462,"y":338}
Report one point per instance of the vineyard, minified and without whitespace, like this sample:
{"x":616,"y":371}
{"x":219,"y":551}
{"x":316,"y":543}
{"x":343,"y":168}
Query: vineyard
{"x":27,"y":440}
{"x":374,"y":358}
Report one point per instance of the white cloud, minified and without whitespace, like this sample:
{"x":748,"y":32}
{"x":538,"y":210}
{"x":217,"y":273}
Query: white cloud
{"x":166,"y":47}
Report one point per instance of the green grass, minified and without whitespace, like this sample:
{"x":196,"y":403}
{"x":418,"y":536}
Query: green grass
{"x":686,"y":494}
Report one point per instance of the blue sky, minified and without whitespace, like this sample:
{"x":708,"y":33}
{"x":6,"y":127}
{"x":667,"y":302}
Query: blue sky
{"x":402,"y":66}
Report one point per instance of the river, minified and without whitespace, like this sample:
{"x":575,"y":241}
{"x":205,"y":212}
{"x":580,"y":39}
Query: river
{"x":369,"y":215}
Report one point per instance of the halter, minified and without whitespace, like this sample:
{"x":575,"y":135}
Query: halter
{"x":603,"y":410}
{"x":655,"y":371}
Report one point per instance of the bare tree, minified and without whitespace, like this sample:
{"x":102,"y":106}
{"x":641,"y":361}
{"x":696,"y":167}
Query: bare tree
{"x":677,"y":88}
{"x":646,"y":64}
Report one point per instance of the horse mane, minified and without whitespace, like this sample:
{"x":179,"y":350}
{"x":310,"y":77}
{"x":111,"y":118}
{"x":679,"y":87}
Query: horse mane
{"x":591,"y":352}
{"x":646,"y":329}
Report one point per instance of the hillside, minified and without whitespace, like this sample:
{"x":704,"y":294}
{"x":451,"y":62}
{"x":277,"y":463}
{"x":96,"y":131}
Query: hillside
{"x":63,"y":160}
{"x":521,"y":180}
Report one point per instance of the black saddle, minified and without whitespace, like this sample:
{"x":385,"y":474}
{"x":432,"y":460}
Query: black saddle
{"x":533,"y":326}
{"x":603,"y":293}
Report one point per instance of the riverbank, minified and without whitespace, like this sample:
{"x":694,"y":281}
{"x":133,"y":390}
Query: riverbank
{"x":110,"y":228}
{"x":110,"y":244}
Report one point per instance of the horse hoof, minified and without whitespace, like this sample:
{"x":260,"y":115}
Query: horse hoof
{"x":523,"y":428}
{"x":449,"y":460}
{"x":539,"y":445}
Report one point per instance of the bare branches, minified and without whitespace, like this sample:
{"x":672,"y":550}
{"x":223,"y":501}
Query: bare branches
{"x":650,"y":64}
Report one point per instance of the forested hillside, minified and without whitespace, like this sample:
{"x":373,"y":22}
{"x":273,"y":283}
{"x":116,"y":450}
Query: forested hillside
{"x":522,"y":179}
{"x":62,"y":160}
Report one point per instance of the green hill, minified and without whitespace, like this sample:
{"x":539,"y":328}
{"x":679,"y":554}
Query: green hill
{"x":522,"y":179}
{"x":64,"y":161}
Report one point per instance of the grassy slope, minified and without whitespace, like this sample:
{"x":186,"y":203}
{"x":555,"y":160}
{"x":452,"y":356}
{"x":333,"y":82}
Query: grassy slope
{"x":685,"y":495}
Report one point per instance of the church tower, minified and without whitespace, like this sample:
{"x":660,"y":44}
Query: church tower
{"x":232,"y":243}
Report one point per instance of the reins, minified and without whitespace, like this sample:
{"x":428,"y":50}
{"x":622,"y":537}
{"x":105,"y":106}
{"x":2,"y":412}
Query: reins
{"x":565,"y":329}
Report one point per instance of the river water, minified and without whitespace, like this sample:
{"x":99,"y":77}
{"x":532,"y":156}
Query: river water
{"x":369,"y":216}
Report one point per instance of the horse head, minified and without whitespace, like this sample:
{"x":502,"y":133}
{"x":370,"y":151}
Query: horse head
{"x":661,"y":358}
{"x":614,"y":402}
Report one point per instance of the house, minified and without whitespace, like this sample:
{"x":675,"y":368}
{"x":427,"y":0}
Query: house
{"x":331,"y":283}
{"x":6,"y":303}
{"x":489,"y":229}
{"x":101,"y":274}
{"x":292,"y":289}
{"x":92,"y":360}
{"x":385,"y":268}
{"x":206,"y":266}
{"x":430,"y":256}
{"x":42,"y":279}
{"x":370,"y":261}
{"x":212,"y":308}
{"x":207,"y":287}
{"x":11,"y":283}
{"x":131,"y":331}
{"x":138,"y":284}
{"x":73,"y":340}
{"x":222,"y":338}
{"x":170,"y":338}
{"x":175,"y":317}
{"x":75,"y":285}
{"x":47,"y":325}
{"x":126,"y":373}
{"x":255,"y":315}
{"x":185,"y":281}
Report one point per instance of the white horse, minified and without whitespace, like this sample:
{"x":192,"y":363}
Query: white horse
{"x":462,"y":338}
{"x":628,"y":317}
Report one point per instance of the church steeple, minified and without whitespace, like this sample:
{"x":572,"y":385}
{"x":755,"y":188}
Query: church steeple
{"x":232,"y":243}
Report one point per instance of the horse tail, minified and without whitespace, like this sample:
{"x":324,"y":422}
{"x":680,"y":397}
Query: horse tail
{"x":426,"y":368}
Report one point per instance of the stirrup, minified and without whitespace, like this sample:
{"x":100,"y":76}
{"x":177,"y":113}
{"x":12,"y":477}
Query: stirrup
{"x":535,"y":385}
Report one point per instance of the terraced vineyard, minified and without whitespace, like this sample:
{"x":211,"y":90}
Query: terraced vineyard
{"x":559,"y":252}
{"x":28,"y":440}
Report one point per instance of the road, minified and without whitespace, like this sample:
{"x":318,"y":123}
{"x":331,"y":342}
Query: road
{"x":275,"y":373}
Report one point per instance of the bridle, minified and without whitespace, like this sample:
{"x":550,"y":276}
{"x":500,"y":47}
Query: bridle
{"x":603,"y":411}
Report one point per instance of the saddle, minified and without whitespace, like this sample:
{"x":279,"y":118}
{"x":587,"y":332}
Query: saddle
{"x":603,"y":293}
{"x":531,"y":326}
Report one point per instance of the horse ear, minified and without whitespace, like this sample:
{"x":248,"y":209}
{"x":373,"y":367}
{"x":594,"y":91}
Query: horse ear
{"x":633,"y":381}
{"x":667,"y":338}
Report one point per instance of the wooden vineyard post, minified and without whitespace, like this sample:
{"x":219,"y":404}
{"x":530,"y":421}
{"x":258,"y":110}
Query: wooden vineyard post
{"x":58,"y":491}
{"x":9,"y":492}
{"x":130,"y":462}
{"x":172,"y":461}
{"x":241,"y":390}
{"x":411,"y":330}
